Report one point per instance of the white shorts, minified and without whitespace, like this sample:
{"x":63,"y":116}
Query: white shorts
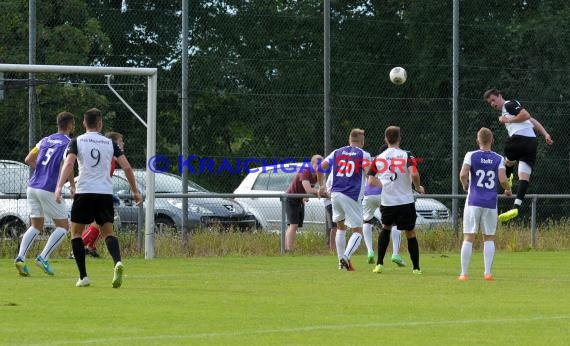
{"x":475,"y":218}
{"x":41,"y":202}
{"x":347,"y":209}
{"x":369,"y":205}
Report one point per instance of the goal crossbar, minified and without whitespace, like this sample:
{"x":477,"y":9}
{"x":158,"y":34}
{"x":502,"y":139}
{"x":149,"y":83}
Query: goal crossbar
{"x":97,"y":70}
{"x":152,"y":80}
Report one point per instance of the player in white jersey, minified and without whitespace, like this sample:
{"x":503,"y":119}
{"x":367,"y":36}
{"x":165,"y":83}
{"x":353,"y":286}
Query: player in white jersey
{"x":93,"y":198}
{"x":372,"y":201}
{"x":521,"y":144}
{"x":395,"y":170}
{"x":92,"y":232}
{"x":46,"y":159}
{"x":482,"y":171}
{"x":348,"y":166}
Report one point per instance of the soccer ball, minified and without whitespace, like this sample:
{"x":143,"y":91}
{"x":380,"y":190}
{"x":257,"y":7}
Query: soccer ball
{"x":398,"y":75}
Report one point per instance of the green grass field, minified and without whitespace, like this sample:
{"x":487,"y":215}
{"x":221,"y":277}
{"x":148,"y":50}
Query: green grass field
{"x":290,"y":300}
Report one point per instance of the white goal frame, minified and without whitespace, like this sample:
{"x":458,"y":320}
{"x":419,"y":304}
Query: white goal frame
{"x":151,"y":74}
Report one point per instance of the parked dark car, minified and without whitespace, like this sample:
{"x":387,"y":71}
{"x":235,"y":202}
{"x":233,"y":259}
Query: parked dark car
{"x":215,"y":213}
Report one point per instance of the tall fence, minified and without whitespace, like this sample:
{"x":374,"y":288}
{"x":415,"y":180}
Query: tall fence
{"x":267,"y":216}
{"x":256,"y":79}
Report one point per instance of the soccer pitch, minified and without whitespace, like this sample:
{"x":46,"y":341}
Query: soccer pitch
{"x":290,"y":300}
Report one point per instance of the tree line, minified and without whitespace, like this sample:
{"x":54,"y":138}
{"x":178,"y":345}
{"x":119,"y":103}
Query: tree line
{"x":256,"y":76}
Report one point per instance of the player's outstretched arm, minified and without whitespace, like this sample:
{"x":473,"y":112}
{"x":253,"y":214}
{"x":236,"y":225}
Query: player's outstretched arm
{"x":309,"y":189}
{"x":31,"y":158}
{"x":373,"y":181}
{"x":126,"y":166}
{"x":416,"y":180}
{"x":64,"y":174}
{"x":538,"y":127}
{"x":503,"y":180}
{"x":464,"y":177}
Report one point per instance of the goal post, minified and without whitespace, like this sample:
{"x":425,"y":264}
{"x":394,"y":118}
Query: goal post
{"x":152,"y":81}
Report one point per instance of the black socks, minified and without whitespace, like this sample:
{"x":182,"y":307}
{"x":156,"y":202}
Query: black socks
{"x":414,"y":250}
{"x":383,"y":241}
{"x":79,"y":254}
{"x":521,"y":190}
{"x":113,"y":247}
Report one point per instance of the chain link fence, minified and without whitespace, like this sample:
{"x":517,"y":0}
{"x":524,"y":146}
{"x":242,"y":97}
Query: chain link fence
{"x":256,"y":79}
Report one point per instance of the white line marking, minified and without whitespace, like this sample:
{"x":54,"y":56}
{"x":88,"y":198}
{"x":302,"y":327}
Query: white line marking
{"x":299,"y":329}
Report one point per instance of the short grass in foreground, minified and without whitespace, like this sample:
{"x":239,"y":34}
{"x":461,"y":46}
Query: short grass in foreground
{"x":290,"y":300}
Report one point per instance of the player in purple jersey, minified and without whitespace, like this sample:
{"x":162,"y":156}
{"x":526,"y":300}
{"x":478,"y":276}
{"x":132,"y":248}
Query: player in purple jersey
{"x":46,"y":159}
{"x":521,"y":145}
{"x":348,"y":166}
{"x":482,"y":171}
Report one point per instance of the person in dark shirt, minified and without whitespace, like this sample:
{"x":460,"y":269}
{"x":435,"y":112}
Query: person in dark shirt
{"x":304,"y":182}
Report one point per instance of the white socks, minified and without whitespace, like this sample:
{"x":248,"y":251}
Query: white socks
{"x":340,"y":241}
{"x":367,"y":233}
{"x":466,"y":251}
{"x":56,"y":238}
{"x":395,"y":234}
{"x":344,"y":250}
{"x":27,"y":241}
{"x":353,"y":244}
{"x":488,"y":255}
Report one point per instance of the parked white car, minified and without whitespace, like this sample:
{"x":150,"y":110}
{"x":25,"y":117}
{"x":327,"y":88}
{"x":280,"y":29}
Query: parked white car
{"x":14,"y":215}
{"x":273,"y":180}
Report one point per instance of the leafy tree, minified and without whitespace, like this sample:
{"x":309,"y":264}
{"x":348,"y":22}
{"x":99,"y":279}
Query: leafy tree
{"x":66,"y":35}
{"x":256,"y":76}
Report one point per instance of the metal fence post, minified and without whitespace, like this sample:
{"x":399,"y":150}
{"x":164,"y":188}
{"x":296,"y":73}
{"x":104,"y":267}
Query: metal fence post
{"x":283,"y":224}
{"x":533,"y":223}
{"x":140,"y":223}
{"x":455,"y":216}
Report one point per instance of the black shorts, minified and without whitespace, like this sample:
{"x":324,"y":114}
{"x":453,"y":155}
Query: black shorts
{"x":295,"y":210}
{"x":402,"y":215}
{"x":521,"y":148}
{"x":328,"y":217}
{"x":87,"y":207}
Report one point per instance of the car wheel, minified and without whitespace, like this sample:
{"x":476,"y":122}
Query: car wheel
{"x":12,"y":228}
{"x":252,"y":228}
{"x":164,"y":225}
{"x":258,"y":227}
